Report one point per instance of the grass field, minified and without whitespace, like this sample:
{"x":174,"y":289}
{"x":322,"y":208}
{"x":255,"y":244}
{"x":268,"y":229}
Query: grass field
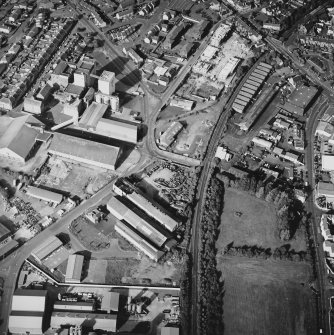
{"x":266,"y":297}
{"x":262,"y":296}
{"x":256,"y":226}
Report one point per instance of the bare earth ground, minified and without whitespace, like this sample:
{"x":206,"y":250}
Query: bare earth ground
{"x":262,"y":296}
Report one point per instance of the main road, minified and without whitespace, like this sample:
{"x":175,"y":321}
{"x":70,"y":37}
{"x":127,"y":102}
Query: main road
{"x":10,"y":266}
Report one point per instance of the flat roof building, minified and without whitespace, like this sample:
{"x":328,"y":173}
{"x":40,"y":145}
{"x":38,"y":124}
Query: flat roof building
{"x":327,"y":162}
{"x":44,"y":195}
{"x":325,"y":189}
{"x":124,"y":131}
{"x":110,"y":302}
{"x":105,"y":322}
{"x":85,"y":151}
{"x":22,"y":322}
{"x":27,"y":313}
{"x":170,"y":331}
{"x":300,"y":99}
{"x":46,"y":248}
{"x":29,"y":300}
{"x":106,"y":82}
{"x":78,"y":306}
{"x":74,"y":269}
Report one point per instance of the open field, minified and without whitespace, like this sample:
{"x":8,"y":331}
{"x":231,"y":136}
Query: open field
{"x":256,"y":226}
{"x":266,"y":297}
{"x":262,"y":296}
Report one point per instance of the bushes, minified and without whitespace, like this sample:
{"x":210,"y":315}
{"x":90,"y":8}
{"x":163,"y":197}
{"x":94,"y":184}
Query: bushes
{"x":290,"y":211}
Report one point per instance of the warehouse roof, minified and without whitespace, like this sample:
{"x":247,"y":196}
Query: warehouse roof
{"x":327,"y":162}
{"x":153,"y":210}
{"x":92,"y":115}
{"x":106,"y":322}
{"x":17,"y":136}
{"x":74,"y":268}
{"x":110,"y":301}
{"x":29,"y":300}
{"x":138,"y":240}
{"x":22,"y":322}
{"x":120,"y":130}
{"x":47,"y":247}
{"x":10,"y":245}
{"x":74,"y":305}
{"x":170,"y":331}
{"x":45,"y":195}
{"x":302,"y":96}
{"x":122,"y":211}
{"x":326,"y":189}
{"x":84,"y":150}
{"x":4,"y":231}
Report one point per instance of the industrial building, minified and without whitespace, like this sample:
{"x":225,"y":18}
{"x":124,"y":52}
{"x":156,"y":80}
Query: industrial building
{"x":46,"y":248}
{"x":110,"y":302}
{"x":252,"y":85}
{"x":119,"y":208}
{"x":18,"y":139}
{"x":92,"y":121}
{"x":170,"y":331}
{"x":77,"y":306}
{"x":125,"y":189}
{"x":106,"y":82}
{"x":325,"y":189}
{"x":44,"y":195}
{"x":266,"y":96}
{"x":85,"y":151}
{"x":301,"y":99}
{"x":4,"y":232}
{"x":33,"y":106}
{"x":85,"y":68}
{"x":138,"y":241}
{"x":92,"y":115}
{"x":262,"y":143}
{"x":74,"y":269}
{"x":327,"y":162}
{"x":169,"y":135}
{"x":124,"y":131}
{"x":182,"y":103}
{"x":105,"y":322}
{"x":28,"y":312}
{"x":8,"y":247}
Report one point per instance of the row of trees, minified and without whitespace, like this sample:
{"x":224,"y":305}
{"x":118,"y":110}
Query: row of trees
{"x":210,"y":290}
{"x":185,"y":295}
{"x":290,"y":211}
{"x":284,"y":253}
